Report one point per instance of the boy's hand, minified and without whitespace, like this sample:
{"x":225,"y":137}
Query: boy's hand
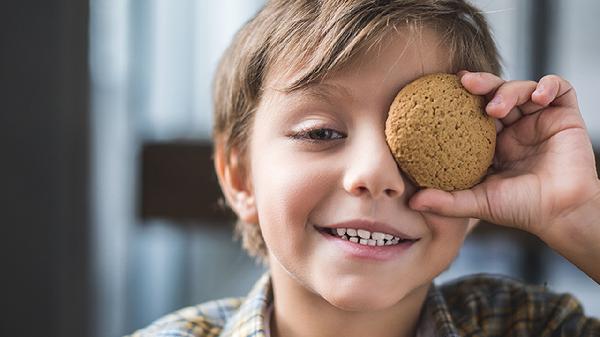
{"x":543,"y":179}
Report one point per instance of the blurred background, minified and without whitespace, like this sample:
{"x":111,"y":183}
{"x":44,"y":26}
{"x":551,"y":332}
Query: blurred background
{"x":109,"y":199}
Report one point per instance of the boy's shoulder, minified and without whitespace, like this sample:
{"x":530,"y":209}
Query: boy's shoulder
{"x":205,"y":319}
{"x":485,"y":286}
{"x":227,"y":316}
{"x":510,"y":307}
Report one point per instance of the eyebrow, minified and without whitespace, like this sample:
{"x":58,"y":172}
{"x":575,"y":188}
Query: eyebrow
{"x":322,"y":91}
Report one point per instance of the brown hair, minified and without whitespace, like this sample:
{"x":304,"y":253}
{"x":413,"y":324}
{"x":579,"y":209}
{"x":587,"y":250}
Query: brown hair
{"x":323,"y":36}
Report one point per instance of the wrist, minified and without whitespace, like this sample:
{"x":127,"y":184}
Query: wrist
{"x":578,"y":239}
{"x":579,"y":229}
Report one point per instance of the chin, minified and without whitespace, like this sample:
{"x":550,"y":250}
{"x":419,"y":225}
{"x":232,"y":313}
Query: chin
{"x":361,"y":298}
{"x":361,"y":303}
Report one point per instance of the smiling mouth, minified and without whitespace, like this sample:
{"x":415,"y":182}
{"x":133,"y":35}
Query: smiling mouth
{"x":364,"y":237}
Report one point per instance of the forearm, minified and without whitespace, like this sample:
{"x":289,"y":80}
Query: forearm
{"x":580,"y":242}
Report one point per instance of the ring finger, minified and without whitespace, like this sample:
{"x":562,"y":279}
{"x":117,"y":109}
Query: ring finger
{"x":507,"y":99}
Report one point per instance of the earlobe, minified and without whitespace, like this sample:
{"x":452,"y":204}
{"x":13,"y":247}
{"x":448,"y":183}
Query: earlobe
{"x":246,"y":208}
{"x":234,"y":184}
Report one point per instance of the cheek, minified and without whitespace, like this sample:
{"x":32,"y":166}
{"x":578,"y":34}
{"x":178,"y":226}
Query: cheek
{"x":286,"y":190}
{"x":447,"y":237}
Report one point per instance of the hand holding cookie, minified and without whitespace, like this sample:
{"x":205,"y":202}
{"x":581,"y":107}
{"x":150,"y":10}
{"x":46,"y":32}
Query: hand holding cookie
{"x":543,"y":179}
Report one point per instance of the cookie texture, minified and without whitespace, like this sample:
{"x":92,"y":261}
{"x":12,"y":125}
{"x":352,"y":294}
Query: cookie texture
{"x":439,"y":133}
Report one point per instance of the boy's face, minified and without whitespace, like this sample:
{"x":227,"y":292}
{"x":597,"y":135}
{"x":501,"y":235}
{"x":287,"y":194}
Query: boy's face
{"x":300,"y":185}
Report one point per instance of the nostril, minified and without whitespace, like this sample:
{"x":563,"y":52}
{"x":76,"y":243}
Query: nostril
{"x":361,"y":190}
{"x":391,"y":193}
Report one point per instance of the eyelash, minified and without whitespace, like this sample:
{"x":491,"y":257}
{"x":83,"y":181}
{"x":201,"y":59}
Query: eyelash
{"x":305,"y":134}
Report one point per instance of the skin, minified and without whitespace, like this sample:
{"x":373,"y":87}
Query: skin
{"x":292,"y":184}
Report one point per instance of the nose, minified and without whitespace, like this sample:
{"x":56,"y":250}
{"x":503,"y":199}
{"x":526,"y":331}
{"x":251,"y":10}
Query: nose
{"x":372,"y":170}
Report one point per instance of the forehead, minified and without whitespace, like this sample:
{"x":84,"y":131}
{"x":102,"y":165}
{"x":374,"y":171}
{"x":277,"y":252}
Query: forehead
{"x":398,"y":58}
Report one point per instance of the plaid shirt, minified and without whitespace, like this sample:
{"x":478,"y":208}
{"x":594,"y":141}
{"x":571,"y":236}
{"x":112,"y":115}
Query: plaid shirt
{"x":479,"y":305}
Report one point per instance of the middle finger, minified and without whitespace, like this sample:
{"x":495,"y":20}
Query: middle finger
{"x":508,"y":97}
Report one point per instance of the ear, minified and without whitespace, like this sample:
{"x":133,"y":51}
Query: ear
{"x":235,"y":184}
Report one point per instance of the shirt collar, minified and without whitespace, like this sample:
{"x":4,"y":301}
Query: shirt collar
{"x":435,"y":316}
{"x":249,"y":320}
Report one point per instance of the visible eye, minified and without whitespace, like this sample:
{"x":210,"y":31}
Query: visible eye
{"x":318,"y":134}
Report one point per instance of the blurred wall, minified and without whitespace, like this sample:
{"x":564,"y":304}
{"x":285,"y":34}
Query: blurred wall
{"x":43,"y":168}
{"x":575,"y":54}
{"x":151,"y":64}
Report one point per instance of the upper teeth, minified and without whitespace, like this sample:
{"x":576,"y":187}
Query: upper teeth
{"x":365,"y":237}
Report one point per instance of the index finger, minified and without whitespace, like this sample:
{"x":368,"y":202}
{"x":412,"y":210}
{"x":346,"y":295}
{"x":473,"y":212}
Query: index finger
{"x":480,"y":83}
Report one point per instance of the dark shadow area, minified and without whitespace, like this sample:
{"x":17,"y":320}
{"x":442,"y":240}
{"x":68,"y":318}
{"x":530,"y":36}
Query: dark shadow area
{"x":44,"y":170}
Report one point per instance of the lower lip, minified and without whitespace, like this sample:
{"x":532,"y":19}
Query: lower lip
{"x":375,"y":253}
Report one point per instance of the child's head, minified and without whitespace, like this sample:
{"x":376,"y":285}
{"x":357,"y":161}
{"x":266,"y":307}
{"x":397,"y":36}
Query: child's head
{"x":301,"y":98}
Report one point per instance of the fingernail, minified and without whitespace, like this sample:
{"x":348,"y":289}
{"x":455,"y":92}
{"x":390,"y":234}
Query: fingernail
{"x":422,"y":208}
{"x":539,"y":90}
{"x":496,"y":101}
{"x":499,"y":125}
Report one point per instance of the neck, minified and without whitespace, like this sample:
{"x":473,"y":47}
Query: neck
{"x":299,"y":312}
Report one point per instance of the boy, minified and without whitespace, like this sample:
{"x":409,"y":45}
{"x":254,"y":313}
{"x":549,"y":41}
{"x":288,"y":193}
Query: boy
{"x":301,"y":99}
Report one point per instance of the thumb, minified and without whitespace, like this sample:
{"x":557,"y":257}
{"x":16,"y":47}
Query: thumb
{"x":459,"y":204}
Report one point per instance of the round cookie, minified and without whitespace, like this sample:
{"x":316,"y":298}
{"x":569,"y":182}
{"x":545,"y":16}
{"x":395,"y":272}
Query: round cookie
{"x":440,"y":134}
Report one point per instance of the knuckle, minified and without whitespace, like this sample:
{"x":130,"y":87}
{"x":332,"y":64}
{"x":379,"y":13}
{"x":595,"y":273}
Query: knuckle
{"x":517,"y":85}
{"x":530,"y":83}
{"x":491,"y":77}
